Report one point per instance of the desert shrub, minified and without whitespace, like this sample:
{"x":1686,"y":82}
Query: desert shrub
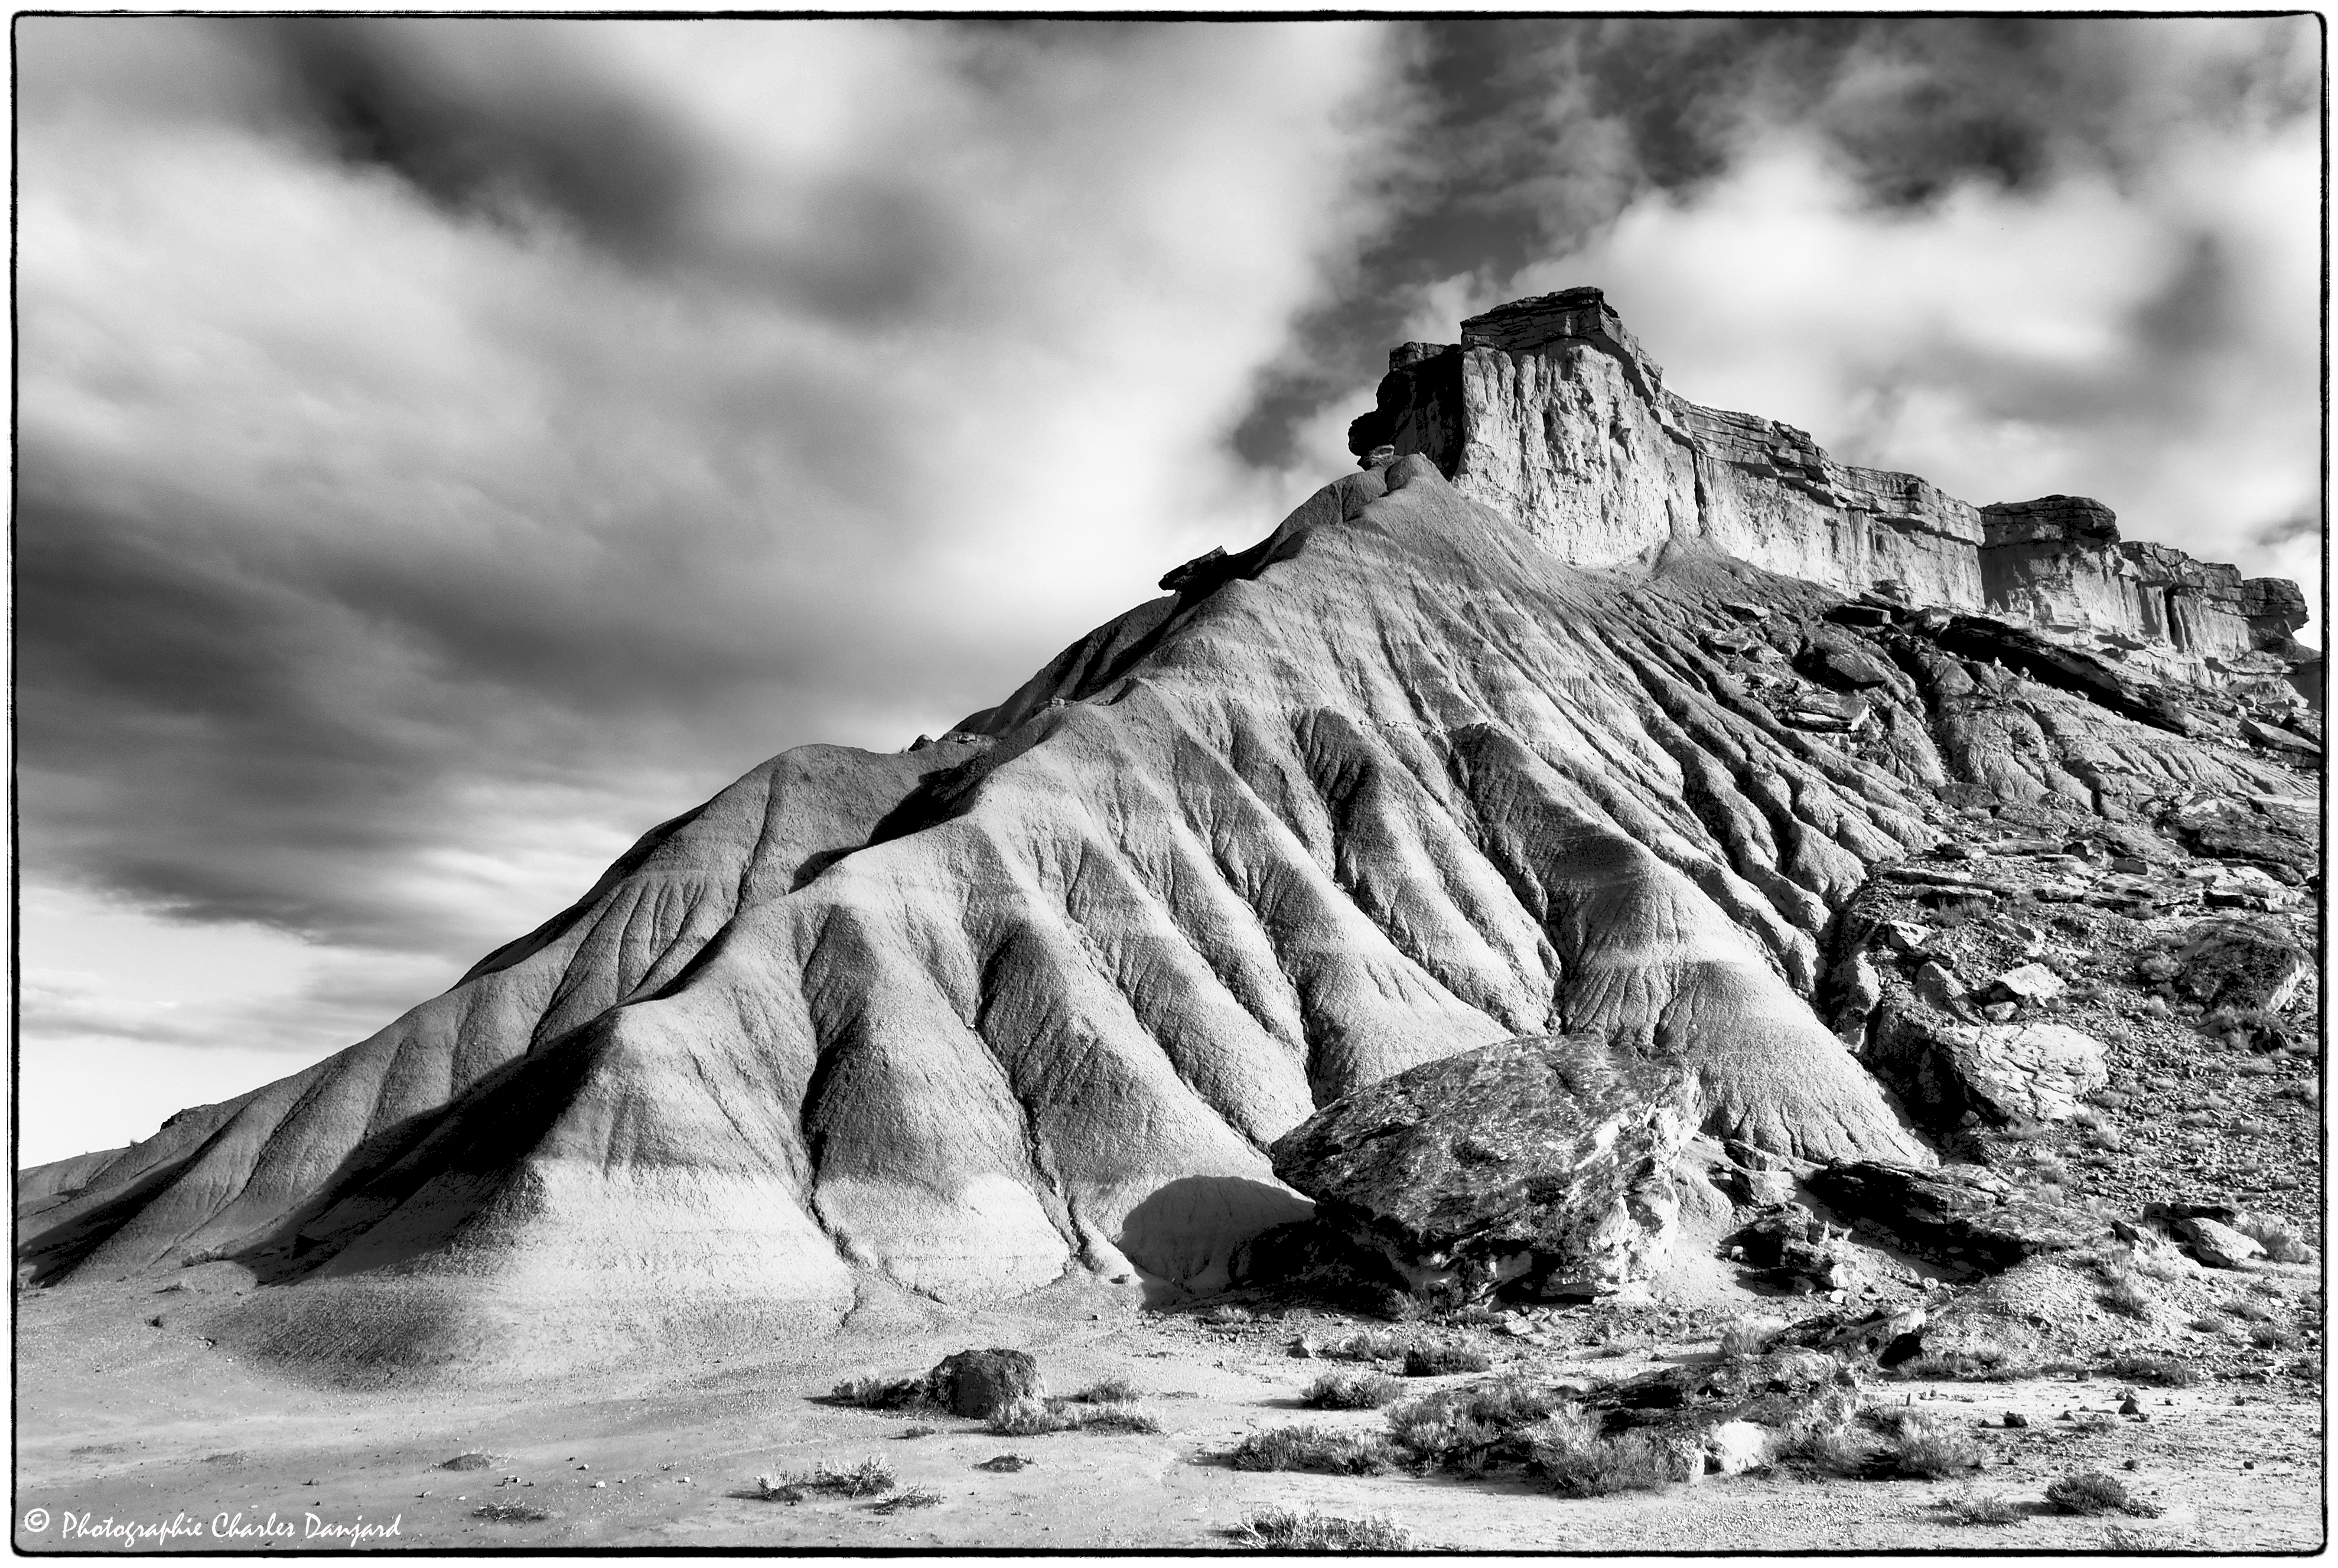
{"x":2164,"y":1370}
{"x":1975,"y":1508}
{"x":1981,"y":1363}
{"x":1227,"y":1315}
{"x":1294,"y":1530}
{"x":1828,"y":1450}
{"x":1568,"y":1450}
{"x":2091,"y":1492}
{"x":1475,"y":1426}
{"x":866,"y":1479}
{"x":1111,"y":1391}
{"x":1026,"y":1417}
{"x":1927,"y":1446}
{"x":2273,"y":1337}
{"x":510,"y":1514}
{"x":2246,"y":1311}
{"x":1750,"y":1336}
{"x":1442,"y":1360}
{"x":880,"y":1393}
{"x":908,"y":1432}
{"x":1312,"y":1448}
{"x":1350,"y":1391}
{"x":2126,"y":1293}
{"x":1365,"y":1345}
{"x":908,"y":1498}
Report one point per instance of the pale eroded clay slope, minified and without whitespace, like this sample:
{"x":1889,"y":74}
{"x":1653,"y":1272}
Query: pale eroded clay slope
{"x":1036,"y":996}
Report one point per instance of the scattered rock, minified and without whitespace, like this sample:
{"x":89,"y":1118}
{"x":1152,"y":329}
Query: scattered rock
{"x":979,"y":1383}
{"x":465,"y":1462}
{"x":1543,"y":1160}
{"x":1906,"y":936}
{"x":2031,"y":984}
{"x":1939,"y":986}
{"x":1733,"y":1447}
{"x":2218,"y":1246}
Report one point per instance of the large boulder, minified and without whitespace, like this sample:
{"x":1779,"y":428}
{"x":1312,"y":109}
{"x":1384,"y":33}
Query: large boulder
{"x":1956,"y":1216}
{"x":1543,"y":1160}
{"x":2234,"y":962}
{"x":980,"y":1383}
{"x":1952,"y":1076}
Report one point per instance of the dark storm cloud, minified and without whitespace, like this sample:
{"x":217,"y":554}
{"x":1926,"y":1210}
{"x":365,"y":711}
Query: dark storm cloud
{"x":1539,"y":134}
{"x":482,"y":115}
{"x":449,"y":446}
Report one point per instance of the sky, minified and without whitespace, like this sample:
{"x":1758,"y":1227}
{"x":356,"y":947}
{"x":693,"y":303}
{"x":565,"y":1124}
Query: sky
{"x":447,"y":448}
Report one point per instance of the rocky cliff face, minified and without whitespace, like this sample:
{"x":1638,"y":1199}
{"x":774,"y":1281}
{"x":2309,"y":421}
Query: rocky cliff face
{"x":1399,"y":782}
{"x":1550,"y":411}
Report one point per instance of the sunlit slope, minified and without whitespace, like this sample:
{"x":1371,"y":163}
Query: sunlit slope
{"x":963,"y":1018}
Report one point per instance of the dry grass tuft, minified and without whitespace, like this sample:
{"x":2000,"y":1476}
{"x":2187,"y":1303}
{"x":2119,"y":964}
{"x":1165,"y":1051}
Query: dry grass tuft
{"x":1443,"y":1360}
{"x":1568,"y":1450}
{"x":1981,"y":1363}
{"x":1474,"y":1426}
{"x":1750,"y":1336}
{"x":1927,"y":1446}
{"x":880,"y":1393}
{"x":866,"y":1479}
{"x":907,"y":1498}
{"x":2091,"y":1492}
{"x":1292,"y":1530}
{"x":1819,"y":1451}
{"x":1350,"y":1391}
{"x":1029,"y":1417}
{"x":1310,"y":1448}
{"x":1975,"y":1508}
{"x":1365,"y":1345}
{"x":2165,"y":1371}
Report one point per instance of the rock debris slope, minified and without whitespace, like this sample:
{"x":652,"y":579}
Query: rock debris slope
{"x":1399,"y":782}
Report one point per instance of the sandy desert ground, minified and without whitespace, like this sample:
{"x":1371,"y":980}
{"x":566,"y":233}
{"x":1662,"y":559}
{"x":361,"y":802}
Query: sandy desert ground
{"x":122,"y":1424}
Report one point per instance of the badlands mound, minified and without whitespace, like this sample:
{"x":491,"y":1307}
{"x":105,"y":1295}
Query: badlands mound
{"x":1577,"y":709}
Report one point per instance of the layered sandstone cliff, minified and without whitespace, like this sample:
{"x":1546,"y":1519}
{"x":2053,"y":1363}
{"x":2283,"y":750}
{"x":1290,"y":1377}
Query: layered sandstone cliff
{"x":1550,"y":411}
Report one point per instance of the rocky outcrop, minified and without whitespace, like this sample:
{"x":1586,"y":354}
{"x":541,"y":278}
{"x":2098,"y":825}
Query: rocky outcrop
{"x":2058,"y":563}
{"x":1549,"y":410}
{"x":1545,"y":1162}
{"x":1957,"y":1217}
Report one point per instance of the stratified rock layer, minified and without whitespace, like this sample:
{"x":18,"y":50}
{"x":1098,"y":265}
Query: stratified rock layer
{"x":1549,"y":410}
{"x":1548,"y":1160}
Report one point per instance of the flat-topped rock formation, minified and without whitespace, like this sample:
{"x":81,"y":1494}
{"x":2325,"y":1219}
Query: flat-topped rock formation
{"x":1549,"y":410}
{"x":1404,"y":779}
